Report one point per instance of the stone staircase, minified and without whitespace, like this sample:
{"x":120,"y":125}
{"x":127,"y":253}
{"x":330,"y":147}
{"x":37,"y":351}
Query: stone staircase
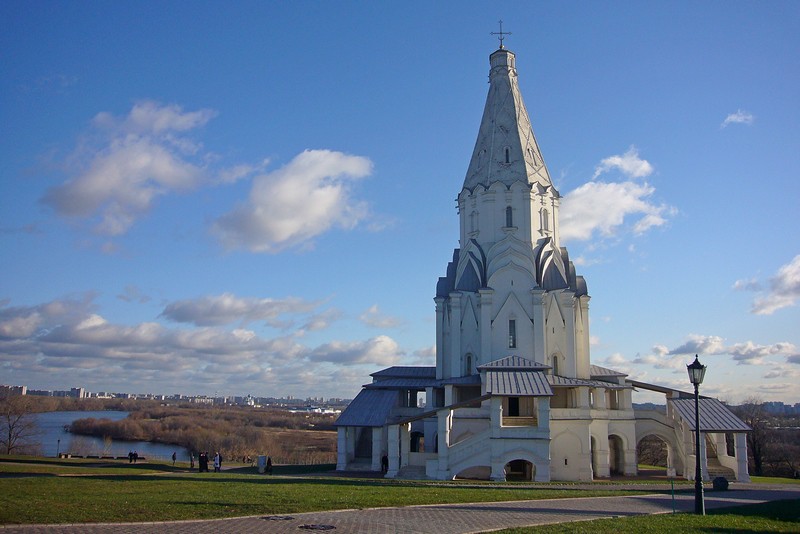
{"x":716,"y":469}
{"x":412,"y":472}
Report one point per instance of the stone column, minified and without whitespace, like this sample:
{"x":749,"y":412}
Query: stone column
{"x":450,"y":363}
{"x":444,"y":419}
{"x":485,"y":327}
{"x":539,"y":349}
{"x":394,"y":451}
{"x":341,"y":448}
{"x":583,"y":398}
{"x":741,"y":457}
{"x":440,"y":355}
{"x":405,"y":444}
{"x":377,"y":447}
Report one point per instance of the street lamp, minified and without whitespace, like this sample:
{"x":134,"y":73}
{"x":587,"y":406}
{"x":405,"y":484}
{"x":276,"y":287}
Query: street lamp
{"x":696,"y":373}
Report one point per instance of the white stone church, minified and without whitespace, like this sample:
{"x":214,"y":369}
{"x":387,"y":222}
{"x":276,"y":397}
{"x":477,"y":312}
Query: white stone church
{"x":514,"y":393}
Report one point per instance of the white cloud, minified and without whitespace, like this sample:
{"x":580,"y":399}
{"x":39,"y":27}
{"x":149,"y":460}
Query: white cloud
{"x":68,"y":338}
{"x":298,"y":202}
{"x":753,"y":354}
{"x":698,"y":344}
{"x":130,"y":163}
{"x":599,"y":207}
{"x":747,"y":285}
{"x":747,"y":352}
{"x":630,"y":164}
{"x":323,"y":320}
{"x":227,"y":308}
{"x":380,"y":350}
{"x":374,"y":318}
{"x":784,"y":290}
{"x":740,"y":117}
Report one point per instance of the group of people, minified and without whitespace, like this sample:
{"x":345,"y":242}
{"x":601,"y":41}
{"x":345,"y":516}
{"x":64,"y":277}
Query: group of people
{"x":132,"y":457}
{"x":203,"y":462}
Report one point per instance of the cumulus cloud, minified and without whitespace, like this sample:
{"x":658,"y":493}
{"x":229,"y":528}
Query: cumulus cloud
{"x":629,"y":164}
{"x":607,"y":208}
{"x":296,"y":203}
{"x":698,"y":344}
{"x":375,"y":318}
{"x":783,"y":292}
{"x":599,"y":207}
{"x":745,"y":353}
{"x":70,"y":338}
{"x":130,"y":161}
{"x":227,"y":308}
{"x":322,"y":320}
{"x":740,"y":117}
{"x":380,"y":350}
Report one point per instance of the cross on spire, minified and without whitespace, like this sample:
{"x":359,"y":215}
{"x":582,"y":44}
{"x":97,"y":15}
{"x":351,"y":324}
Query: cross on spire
{"x":501,"y":33}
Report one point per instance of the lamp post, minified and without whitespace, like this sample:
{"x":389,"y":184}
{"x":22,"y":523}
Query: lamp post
{"x":696,"y":373}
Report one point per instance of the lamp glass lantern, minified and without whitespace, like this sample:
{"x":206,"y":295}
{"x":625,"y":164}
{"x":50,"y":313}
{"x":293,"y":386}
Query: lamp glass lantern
{"x":697,"y":371}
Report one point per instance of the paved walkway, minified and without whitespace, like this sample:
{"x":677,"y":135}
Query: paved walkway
{"x":444,"y":518}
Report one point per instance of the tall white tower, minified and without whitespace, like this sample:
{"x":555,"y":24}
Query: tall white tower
{"x":510,"y":289}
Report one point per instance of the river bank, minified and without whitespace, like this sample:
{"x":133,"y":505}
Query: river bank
{"x":55,"y":439}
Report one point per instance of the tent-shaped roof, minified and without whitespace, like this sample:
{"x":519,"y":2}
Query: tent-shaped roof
{"x":563,"y":381}
{"x":371,"y":407}
{"x":517,"y":383}
{"x":714,"y":416}
{"x":602,"y":372}
{"x":513,"y":362}
{"x":399,"y":371}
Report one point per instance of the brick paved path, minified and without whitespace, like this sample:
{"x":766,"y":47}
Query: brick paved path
{"x":441,"y":519}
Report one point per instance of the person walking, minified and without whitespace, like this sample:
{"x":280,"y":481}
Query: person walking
{"x":217,"y":462}
{"x":174,"y":457}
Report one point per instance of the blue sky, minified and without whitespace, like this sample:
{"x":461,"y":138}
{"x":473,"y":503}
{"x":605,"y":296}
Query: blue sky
{"x":259,"y":197}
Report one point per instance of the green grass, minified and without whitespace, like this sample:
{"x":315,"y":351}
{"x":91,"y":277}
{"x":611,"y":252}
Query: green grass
{"x":778,"y":516}
{"x":775,"y":480}
{"x":83,"y":492}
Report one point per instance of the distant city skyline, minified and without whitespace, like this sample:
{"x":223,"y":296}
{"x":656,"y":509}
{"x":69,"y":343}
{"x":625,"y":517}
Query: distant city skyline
{"x":258,"y":198}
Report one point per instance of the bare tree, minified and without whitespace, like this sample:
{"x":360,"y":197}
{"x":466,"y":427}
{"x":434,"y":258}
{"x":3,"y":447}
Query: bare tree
{"x":753,"y":413}
{"x":19,"y":432}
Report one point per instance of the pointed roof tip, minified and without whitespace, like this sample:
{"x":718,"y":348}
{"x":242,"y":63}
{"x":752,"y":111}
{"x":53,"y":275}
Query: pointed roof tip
{"x":506,"y":149}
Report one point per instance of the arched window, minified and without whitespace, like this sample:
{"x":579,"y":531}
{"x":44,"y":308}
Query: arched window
{"x":509,"y":217}
{"x":545,"y":219}
{"x":555,"y":364}
{"x":507,"y":151}
{"x":512,"y":334}
{"x":469,"y":364}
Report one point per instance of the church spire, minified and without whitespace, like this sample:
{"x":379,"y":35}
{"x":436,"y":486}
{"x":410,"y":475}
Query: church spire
{"x":506,"y":149}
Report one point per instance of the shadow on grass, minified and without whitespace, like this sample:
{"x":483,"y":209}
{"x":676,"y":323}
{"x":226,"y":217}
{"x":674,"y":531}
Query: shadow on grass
{"x":786,"y":510}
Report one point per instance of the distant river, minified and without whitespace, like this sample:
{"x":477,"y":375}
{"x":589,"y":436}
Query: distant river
{"x":52,"y":425}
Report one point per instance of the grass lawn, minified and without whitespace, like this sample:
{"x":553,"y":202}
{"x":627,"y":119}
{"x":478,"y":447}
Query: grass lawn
{"x":779,"y":516}
{"x":67,"y":491}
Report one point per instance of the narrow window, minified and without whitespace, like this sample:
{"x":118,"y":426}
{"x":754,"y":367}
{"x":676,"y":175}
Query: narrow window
{"x":555,"y":365}
{"x":509,"y":217}
{"x":512,"y":334}
{"x":469,"y":364}
{"x":508,"y":154}
{"x":545,"y":220}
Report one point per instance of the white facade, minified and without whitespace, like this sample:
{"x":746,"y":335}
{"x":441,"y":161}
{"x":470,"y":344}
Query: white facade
{"x":513,"y":392}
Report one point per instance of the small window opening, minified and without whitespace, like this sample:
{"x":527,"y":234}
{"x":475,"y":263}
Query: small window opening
{"x":509,"y":217}
{"x":512,"y":334}
{"x":507,"y":151}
